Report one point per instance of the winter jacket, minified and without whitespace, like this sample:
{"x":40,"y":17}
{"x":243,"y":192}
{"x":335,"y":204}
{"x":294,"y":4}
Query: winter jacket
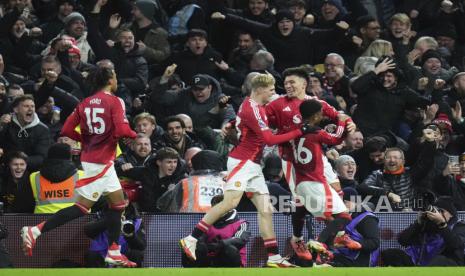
{"x":190,"y":64}
{"x":87,"y":55}
{"x":32,"y":139}
{"x":156,"y":42}
{"x":131,"y":68}
{"x":17,"y":196}
{"x":379,"y":109}
{"x":203,"y":114}
{"x":152,"y":185}
{"x":289,"y":51}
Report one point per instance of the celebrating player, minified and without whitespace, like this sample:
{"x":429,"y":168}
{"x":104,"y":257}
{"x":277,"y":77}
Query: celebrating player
{"x":245,"y":174}
{"x":102,"y":120}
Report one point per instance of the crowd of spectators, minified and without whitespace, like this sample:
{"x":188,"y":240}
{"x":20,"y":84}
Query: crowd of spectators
{"x":184,"y":67}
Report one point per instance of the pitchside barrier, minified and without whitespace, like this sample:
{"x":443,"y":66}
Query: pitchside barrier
{"x":163,"y":232}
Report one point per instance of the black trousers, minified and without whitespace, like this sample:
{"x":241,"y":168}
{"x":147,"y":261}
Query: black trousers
{"x":228,"y":257}
{"x":398,"y":257}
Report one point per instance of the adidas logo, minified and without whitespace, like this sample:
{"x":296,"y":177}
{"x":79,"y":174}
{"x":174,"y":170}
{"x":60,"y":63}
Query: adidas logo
{"x":287,"y":108}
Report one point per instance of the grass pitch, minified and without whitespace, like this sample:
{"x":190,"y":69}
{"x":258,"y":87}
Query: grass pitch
{"x":382,"y":271}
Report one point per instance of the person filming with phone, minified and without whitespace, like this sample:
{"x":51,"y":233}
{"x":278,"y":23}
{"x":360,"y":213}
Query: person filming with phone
{"x":452,"y":181}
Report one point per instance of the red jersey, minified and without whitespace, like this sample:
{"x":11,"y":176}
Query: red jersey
{"x":284,"y":114}
{"x":102,"y":120}
{"x":308,"y":153}
{"x":254,"y":133}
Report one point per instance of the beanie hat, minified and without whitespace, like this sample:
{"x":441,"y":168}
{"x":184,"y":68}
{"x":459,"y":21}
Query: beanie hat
{"x":73,"y":17}
{"x":59,"y":151}
{"x":447,"y":30}
{"x":338,"y":4}
{"x":443,"y":121}
{"x":343,"y":159}
{"x":75,"y":50}
{"x":147,"y":8}
{"x":430,"y":54}
{"x":446,"y":203}
{"x":284,"y":14}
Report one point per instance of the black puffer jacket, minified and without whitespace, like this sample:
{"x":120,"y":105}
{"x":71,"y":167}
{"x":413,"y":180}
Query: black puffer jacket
{"x":33,"y":139}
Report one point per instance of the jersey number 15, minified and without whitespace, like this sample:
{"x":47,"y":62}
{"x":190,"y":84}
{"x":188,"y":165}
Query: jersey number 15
{"x":95,"y":123}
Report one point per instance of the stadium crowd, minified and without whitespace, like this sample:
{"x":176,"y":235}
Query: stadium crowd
{"x":184,"y":67}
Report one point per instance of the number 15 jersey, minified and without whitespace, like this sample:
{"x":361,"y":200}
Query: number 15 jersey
{"x":102,"y":120}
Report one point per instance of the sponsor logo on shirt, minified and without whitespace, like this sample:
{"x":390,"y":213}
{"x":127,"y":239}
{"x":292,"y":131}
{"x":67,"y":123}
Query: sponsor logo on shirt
{"x":296,"y":119}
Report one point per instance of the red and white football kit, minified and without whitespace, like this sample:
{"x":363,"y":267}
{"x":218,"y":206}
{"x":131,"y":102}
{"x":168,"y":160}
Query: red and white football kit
{"x":102,"y":122}
{"x":318,"y":196}
{"x":245,"y":173}
{"x":284,"y":114}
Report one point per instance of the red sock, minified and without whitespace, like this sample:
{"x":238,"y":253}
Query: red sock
{"x":200,"y":229}
{"x":271,"y":246}
{"x":40,"y":225}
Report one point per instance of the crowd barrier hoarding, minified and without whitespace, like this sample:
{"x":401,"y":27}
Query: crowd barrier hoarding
{"x":163,"y":232}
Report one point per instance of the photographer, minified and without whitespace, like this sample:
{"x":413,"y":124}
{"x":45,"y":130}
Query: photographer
{"x":132,"y":239}
{"x":436,"y":238}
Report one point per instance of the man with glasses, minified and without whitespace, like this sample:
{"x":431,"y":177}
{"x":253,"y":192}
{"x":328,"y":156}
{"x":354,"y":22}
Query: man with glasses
{"x":335,"y":80}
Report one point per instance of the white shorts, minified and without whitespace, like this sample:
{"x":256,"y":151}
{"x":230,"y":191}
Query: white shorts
{"x":105,"y":184}
{"x":321,"y":200}
{"x":245,"y":175}
{"x":330,"y":175}
{"x":289,"y":173}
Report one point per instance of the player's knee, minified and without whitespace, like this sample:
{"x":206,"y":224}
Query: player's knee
{"x":118,"y":206}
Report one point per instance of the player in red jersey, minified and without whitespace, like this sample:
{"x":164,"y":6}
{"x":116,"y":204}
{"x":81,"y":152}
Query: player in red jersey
{"x":245,"y":173}
{"x":318,"y":197}
{"x":102,"y":120}
{"x":283,"y":113}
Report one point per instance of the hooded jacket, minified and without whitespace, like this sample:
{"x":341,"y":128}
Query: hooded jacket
{"x":32,"y":139}
{"x":203,"y":114}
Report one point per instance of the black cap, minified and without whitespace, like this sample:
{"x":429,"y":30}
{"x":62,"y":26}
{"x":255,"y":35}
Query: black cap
{"x":200,"y":81}
{"x":273,"y":165}
{"x":197,"y":32}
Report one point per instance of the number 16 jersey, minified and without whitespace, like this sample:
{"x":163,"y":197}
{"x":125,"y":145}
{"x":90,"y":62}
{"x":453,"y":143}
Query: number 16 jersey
{"x":102,"y":121}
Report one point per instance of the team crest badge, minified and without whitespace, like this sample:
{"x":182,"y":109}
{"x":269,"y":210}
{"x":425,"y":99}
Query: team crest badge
{"x":237,"y":184}
{"x":95,"y":195}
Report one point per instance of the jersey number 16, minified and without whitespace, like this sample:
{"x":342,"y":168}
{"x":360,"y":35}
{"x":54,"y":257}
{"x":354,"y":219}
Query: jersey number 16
{"x":301,"y":153}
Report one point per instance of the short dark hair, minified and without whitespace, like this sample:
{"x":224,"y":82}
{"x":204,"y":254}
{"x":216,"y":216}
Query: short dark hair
{"x":51,"y":59}
{"x":245,"y":32}
{"x":376,"y":143}
{"x":296,"y":3}
{"x":166,"y":153}
{"x":363,"y":21}
{"x":21,"y":99}
{"x":15,"y":86}
{"x":309,"y":108}
{"x":216,"y":199}
{"x":99,"y":77}
{"x":171,"y":119}
{"x":295,"y":71}
{"x":16,"y":155}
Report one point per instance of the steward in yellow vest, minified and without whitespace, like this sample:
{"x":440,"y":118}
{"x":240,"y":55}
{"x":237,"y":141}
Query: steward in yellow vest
{"x":53,"y":186}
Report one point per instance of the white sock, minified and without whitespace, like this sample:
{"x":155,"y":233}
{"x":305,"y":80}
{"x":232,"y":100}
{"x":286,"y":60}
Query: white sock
{"x":296,"y":239}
